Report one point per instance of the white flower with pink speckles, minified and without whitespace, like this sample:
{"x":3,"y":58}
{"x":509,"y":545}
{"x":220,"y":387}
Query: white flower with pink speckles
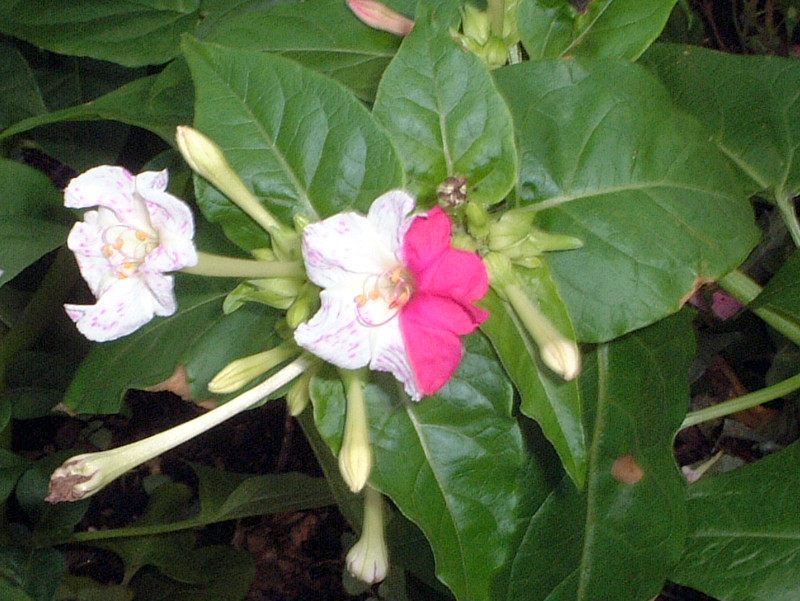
{"x":396,"y":295}
{"x":124,"y":248}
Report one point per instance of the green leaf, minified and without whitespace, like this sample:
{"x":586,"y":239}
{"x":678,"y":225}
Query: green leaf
{"x":132,"y":33}
{"x":748,"y":104}
{"x":302,"y":142}
{"x":199,"y":336}
{"x":32,"y":217}
{"x":449,"y":462}
{"x":323,"y":35}
{"x":606,"y":158}
{"x":554,"y":403}
{"x":228,"y":574}
{"x":442,"y":110}
{"x":30,"y":574}
{"x":11,"y":468}
{"x":607,"y":28}
{"x":635,"y":393}
{"x":20,"y":96}
{"x":782,"y":292}
{"x":743,"y":544}
{"x":158,"y":103}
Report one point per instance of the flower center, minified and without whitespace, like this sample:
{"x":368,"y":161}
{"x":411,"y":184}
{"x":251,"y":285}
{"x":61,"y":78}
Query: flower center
{"x":384,"y":295}
{"x":126,"y":248}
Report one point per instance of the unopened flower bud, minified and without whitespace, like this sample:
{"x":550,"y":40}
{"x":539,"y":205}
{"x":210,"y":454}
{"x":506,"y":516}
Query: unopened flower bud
{"x":355,"y":456}
{"x":478,"y":220}
{"x":240,"y":372}
{"x":298,"y":397}
{"x":559,"y":353}
{"x":306,"y":303}
{"x":207,"y":160}
{"x":380,"y":16}
{"x":368,"y":559}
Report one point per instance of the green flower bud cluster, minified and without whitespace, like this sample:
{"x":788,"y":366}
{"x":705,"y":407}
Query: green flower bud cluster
{"x":515,"y":236}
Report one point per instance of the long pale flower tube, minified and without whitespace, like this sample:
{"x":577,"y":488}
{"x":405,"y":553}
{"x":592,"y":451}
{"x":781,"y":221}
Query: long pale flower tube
{"x":368,"y":559}
{"x":355,"y":456}
{"x":83,"y":475}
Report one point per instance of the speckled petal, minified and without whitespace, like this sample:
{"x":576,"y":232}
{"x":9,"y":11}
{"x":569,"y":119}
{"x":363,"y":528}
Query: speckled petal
{"x":110,"y":187}
{"x":343,"y":246}
{"x":389,"y":215}
{"x":334,"y":333}
{"x":123,"y":308}
{"x":173,"y":253}
{"x":169,"y":215}
{"x":389,"y":354}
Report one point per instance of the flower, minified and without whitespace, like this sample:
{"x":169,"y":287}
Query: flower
{"x":138,"y":232}
{"x":396,"y":296}
{"x":368,"y":559}
{"x":380,"y":16}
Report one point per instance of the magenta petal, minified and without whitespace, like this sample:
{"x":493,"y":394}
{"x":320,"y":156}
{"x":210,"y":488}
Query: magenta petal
{"x":434,"y":352}
{"x":427,"y":238}
{"x":431,"y":326}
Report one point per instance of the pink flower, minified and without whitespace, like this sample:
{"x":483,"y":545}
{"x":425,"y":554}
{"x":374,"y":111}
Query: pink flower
{"x":396,"y":296}
{"x":124,"y":248}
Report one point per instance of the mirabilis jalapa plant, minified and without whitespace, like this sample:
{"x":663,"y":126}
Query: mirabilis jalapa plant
{"x":426,"y":240}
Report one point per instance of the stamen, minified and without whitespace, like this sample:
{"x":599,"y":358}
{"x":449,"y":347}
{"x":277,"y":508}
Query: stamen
{"x":393,"y":288}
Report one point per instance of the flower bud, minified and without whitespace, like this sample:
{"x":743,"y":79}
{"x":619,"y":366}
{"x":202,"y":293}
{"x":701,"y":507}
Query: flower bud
{"x":208,"y":161}
{"x":306,"y":303}
{"x":478,"y":221}
{"x":368,"y":559}
{"x":298,"y":397}
{"x":240,"y":372}
{"x":380,"y":16}
{"x":355,"y":456}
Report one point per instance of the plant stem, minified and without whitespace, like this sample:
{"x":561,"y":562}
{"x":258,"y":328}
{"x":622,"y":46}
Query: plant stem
{"x":786,"y":207}
{"x":229,"y":267}
{"x":743,"y":402}
{"x":746,"y":290}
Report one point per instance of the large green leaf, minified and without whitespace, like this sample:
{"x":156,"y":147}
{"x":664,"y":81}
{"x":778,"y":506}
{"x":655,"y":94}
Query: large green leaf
{"x":546,"y":397}
{"x":19,"y":94}
{"x":617,"y":539}
{"x":32,"y":217}
{"x":150,"y":103}
{"x":449,"y":462}
{"x":605,"y":157}
{"x":744,"y":535}
{"x":782,"y":292}
{"x":302,"y":142}
{"x":129,"y":32}
{"x":611,"y":28}
{"x":446,"y":117}
{"x":749,"y":104}
{"x":198,"y":336}
{"x":323,"y":35}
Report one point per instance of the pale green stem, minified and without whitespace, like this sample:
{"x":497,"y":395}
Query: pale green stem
{"x":746,"y":401}
{"x":84,"y":475}
{"x":355,"y":456}
{"x":496,"y":9}
{"x":786,"y":207}
{"x":229,"y":267}
{"x":745,"y":290}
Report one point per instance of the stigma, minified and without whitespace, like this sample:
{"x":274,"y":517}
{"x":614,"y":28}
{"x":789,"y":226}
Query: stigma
{"x":383,"y":296}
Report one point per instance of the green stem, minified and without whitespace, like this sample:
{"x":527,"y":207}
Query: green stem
{"x":497,"y":9}
{"x":746,"y":401}
{"x":744,"y":289}
{"x":786,"y":207}
{"x":45,"y":303}
{"x":229,"y":267}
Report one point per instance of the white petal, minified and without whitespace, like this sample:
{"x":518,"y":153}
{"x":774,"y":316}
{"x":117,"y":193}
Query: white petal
{"x":388,"y":214}
{"x":161,"y":288}
{"x":124,"y":308}
{"x":168,"y":214}
{"x":389,"y":354}
{"x":343,"y":245}
{"x":334,"y":333}
{"x":172,"y":254}
{"x":110,"y":187}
